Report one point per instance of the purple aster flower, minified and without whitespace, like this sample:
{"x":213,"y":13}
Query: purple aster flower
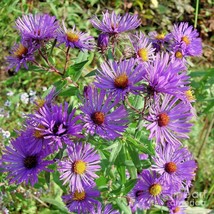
{"x":178,"y":54}
{"x":149,"y":190}
{"x":143,"y":48}
{"x":21,"y":54}
{"x":56,"y":124}
{"x":159,"y":40}
{"x":174,"y":164}
{"x":37,"y":141}
{"x":99,"y":116}
{"x":80,"y":167}
{"x":74,"y":39}
{"x":120,"y":78}
{"x":37,"y":27}
{"x":105,"y":210}
{"x":165,"y":76}
{"x":23,"y":164}
{"x":103,"y":41}
{"x":81,"y":202}
{"x":47,"y":100}
{"x":176,"y":203}
{"x":169,"y":120}
{"x":114,"y":24}
{"x":187,"y":38}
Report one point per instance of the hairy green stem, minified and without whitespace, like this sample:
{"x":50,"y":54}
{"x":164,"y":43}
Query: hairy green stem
{"x":196,"y":13}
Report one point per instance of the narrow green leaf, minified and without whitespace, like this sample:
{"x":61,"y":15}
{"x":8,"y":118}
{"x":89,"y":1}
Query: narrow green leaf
{"x":129,"y":185}
{"x":75,"y":70}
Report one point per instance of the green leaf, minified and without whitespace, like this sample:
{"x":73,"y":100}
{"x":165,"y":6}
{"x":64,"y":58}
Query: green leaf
{"x":56,"y":203}
{"x":129,"y":185}
{"x":75,"y":70}
{"x":71,"y":91}
{"x":47,"y":177}
{"x":122,"y":204}
{"x":91,"y":73}
{"x":115,"y":151}
{"x":134,"y":156}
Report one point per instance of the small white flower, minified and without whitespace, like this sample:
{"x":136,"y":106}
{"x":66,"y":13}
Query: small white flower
{"x":32,"y":93}
{"x":24,"y":98}
{"x":44,"y":88}
{"x":7,"y":103}
{"x":10,"y":93}
{"x":6,"y":134}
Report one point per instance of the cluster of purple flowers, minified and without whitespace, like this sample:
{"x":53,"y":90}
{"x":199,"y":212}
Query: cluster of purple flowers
{"x":39,"y":29}
{"x":156,"y":71}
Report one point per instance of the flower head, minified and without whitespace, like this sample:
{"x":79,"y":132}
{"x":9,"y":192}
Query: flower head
{"x":114,"y":24}
{"x":56,"y":124}
{"x":187,"y":38}
{"x":22,"y":163}
{"x":176,"y":203}
{"x":80,"y":167}
{"x":21,"y":54}
{"x":143,"y":48}
{"x":174,"y":164}
{"x":37,"y":27}
{"x":99,"y":116}
{"x":168,"y":120}
{"x":165,"y":76}
{"x":81,"y":202}
{"x":74,"y":39}
{"x":120,"y":78}
{"x":149,"y":190}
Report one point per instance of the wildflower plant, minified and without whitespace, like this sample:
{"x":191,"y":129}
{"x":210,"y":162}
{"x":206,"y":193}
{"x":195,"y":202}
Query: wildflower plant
{"x":116,"y":141}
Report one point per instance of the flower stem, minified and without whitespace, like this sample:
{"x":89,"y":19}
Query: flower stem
{"x":196,"y":13}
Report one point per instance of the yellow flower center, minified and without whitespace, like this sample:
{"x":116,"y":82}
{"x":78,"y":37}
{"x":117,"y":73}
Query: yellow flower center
{"x":160,"y":36}
{"x":72,"y":37}
{"x":79,"y":167}
{"x":121,"y":81}
{"x":20,"y":51}
{"x":179,"y":55}
{"x":98,"y":117}
{"x":79,"y":196}
{"x":38,"y":133}
{"x":189,"y":95}
{"x":155,"y":189}
{"x":170,"y":167}
{"x":186,"y":40}
{"x":143,"y":53}
{"x":163,"y":119}
{"x":176,"y":210}
{"x":40,"y":102}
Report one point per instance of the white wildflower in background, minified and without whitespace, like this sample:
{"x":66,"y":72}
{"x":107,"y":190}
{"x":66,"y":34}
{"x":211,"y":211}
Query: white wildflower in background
{"x":7,"y":103}
{"x":24,"y":98}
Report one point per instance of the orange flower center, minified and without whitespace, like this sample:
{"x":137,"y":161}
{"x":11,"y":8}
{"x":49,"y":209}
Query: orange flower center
{"x":179,"y":55}
{"x":160,"y":36}
{"x":21,"y":50}
{"x":98,"y":117}
{"x":72,"y":37}
{"x":176,"y":210}
{"x":163,"y":119}
{"x":189,"y":95}
{"x":143,"y":53}
{"x":79,"y":167}
{"x":155,"y":189}
{"x":170,"y":167}
{"x":38,"y":133}
{"x":186,"y":40}
{"x":79,"y":196}
{"x":121,"y":81}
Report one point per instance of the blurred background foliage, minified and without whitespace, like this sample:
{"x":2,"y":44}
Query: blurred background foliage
{"x":18,"y":91}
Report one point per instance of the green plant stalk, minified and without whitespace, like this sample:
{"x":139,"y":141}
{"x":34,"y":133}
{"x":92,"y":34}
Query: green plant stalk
{"x":196,"y":13}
